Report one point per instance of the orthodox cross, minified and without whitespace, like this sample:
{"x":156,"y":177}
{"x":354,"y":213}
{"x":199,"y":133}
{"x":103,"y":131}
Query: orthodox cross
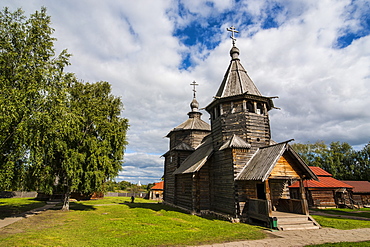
{"x":194,"y":84}
{"x":233,"y":31}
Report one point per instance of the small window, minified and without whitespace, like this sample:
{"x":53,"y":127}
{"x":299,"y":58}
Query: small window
{"x":250,"y":106}
{"x":260,"y":109}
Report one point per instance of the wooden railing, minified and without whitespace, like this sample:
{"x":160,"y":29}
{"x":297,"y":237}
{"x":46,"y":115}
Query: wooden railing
{"x":291,"y":205}
{"x":258,"y":208}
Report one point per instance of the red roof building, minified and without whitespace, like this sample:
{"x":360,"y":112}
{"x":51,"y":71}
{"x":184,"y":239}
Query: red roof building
{"x":156,"y":192}
{"x":326,"y":192}
{"x":360,"y":192}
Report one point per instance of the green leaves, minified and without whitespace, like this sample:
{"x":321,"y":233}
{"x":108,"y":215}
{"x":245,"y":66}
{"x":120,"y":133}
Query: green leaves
{"x":56,"y":134}
{"x":339,"y":159}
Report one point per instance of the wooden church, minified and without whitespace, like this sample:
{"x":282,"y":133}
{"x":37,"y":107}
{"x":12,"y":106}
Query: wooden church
{"x":232,"y":167}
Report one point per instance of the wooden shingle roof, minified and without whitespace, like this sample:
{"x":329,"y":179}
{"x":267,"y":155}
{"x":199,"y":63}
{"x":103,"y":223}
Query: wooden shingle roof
{"x":194,"y":122}
{"x":259,"y":167}
{"x":236,"y":80}
{"x":235,"y":142}
{"x":197,"y":159}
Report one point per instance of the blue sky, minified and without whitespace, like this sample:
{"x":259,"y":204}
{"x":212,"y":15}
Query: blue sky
{"x":314,"y":55}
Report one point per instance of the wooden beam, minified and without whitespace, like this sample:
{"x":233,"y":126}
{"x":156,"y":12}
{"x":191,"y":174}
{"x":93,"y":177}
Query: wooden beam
{"x":268,"y":198}
{"x":303,"y":197}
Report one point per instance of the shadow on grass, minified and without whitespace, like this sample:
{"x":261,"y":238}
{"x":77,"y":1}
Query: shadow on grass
{"x":12,"y":210}
{"x":160,"y":206}
{"x":153,"y":206}
{"x":81,"y":207}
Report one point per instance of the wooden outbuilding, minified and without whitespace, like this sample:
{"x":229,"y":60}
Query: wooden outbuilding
{"x":326,"y":192}
{"x":156,"y":192}
{"x":360,"y":192}
{"x":232,"y":168}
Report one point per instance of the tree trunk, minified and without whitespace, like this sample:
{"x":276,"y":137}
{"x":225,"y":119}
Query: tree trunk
{"x":66,"y":201}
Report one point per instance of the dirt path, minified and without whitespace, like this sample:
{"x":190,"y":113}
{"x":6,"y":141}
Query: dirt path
{"x":303,"y":237}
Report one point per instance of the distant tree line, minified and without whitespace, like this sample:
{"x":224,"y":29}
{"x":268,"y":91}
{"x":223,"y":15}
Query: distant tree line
{"x":56,"y":132}
{"x":337,"y":158}
{"x":125,"y":186}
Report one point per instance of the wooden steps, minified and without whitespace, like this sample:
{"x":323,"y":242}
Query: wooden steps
{"x":288,"y":222}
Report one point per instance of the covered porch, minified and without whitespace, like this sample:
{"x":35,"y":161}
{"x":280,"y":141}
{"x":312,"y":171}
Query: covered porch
{"x":263,"y":186}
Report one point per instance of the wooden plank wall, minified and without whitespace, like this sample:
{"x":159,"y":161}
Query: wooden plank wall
{"x":191,"y":137}
{"x":222,"y":184}
{"x":252,"y":127}
{"x":171,"y":164}
{"x":184,"y":191}
{"x":204,"y":188}
{"x":285,"y":168}
{"x":322,"y":198}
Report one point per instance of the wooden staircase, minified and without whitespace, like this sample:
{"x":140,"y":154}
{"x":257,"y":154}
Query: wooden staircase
{"x":289,"y":221}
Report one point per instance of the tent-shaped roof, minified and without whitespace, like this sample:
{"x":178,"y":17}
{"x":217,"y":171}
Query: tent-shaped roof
{"x":237,"y":84}
{"x":259,"y":167}
{"x":197,"y":159}
{"x":236,"y":80}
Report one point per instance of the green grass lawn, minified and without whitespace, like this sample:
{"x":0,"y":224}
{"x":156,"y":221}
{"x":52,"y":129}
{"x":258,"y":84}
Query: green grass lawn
{"x":362,"y":212}
{"x":12,"y":206}
{"x":343,"y":223}
{"x":116,"y":222}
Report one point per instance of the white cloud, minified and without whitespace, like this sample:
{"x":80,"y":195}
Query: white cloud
{"x":323,"y":90}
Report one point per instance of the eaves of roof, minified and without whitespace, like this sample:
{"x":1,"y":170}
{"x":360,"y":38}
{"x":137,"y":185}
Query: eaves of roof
{"x":195,"y":161}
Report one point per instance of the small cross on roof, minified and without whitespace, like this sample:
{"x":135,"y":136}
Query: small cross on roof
{"x":233,"y":31}
{"x":194,"y":84}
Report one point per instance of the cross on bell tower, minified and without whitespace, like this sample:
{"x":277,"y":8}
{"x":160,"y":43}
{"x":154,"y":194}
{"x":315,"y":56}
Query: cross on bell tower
{"x":194,"y":84}
{"x":233,"y":31}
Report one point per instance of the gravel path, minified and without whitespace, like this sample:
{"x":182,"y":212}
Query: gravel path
{"x":303,"y":237}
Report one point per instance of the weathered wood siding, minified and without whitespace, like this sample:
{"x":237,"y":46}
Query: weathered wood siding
{"x":173,"y":159}
{"x":240,"y":159}
{"x":321,"y":198}
{"x":203,"y":188}
{"x":191,"y":137}
{"x":184,"y":191}
{"x":236,"y":119}
{"x":222,"y":182}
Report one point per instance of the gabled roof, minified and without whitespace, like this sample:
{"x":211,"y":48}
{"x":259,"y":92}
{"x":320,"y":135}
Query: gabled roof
{"x":197,"y":159}
{"x":359,"y":186}
{"x":264,"y":160}
{"x":326,"y":180}
{"x":320,"y":172}
{"x":235,"y":142}
{"x":236,"y":80}
{"x":158,"y":186}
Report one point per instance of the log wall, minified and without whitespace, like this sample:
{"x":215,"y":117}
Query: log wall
{"x":222,"y":182}
{"x":191,"y":137}
{"x":184,"y":191}
{"x":235,"y":119}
